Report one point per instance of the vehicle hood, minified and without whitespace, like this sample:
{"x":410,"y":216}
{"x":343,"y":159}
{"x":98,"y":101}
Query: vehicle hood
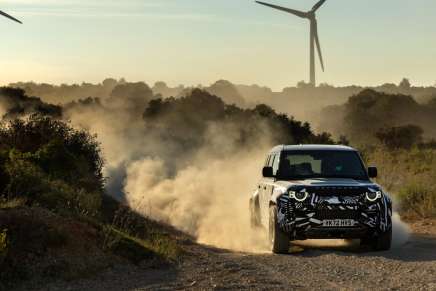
{"x":327,"y":182}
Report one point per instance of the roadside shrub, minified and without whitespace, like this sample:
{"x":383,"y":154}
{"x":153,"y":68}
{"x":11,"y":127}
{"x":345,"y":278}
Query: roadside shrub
{"x":419,"y":199}
{"x":57,"y":148}
{"x":402,"y":137}
{"x":137,"y":238}
{"x":30,"y":182}
{"x":45,"y":161}
{"x":409,"y":176}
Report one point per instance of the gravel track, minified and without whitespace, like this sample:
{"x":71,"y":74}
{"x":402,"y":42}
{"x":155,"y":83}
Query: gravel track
{"x":411,"y":266}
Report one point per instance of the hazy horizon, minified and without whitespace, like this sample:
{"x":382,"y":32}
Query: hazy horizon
{"x":198,"y":42}
{"x":204,"y":85}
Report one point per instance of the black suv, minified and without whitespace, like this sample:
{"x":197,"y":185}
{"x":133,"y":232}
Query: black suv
{"x":321,"y":192}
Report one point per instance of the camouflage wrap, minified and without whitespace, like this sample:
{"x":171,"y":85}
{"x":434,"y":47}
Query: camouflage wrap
{"x":334,"y":203}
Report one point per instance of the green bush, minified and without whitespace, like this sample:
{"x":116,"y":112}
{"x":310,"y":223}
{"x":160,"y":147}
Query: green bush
{"x":30,"y":182}
{"x":47,"y":162}
{"x":59,"y":150}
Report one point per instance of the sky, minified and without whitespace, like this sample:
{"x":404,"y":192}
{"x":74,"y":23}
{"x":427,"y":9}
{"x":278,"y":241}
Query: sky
{"x":191,"y":42}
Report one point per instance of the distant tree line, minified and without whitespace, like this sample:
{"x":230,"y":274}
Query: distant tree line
{"x":395,"y":120}
{"x":185,"y":120}
{"x":183,"y":124}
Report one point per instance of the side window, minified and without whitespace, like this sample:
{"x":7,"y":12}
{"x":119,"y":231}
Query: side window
{"x":271,"y":160}
{"x":276,"y":163}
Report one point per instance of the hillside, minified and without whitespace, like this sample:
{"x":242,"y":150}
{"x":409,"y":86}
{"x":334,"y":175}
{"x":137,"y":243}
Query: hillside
{"x":56,"y":222}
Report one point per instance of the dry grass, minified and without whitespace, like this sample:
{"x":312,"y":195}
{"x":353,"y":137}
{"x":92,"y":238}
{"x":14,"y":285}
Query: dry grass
{"x":409,"y":175}
{"x":12,"y":203}
{"x":38,"y":244}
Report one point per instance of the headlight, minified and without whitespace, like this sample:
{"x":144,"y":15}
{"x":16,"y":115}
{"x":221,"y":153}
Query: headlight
{"x":373,"y":196}
{"x":299,"y":196}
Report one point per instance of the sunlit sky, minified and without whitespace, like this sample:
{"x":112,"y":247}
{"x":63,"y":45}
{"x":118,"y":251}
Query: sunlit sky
{"x":192,"y":42}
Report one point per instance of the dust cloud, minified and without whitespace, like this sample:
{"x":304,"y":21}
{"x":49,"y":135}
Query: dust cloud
{"x":401,"y":231}
{"x":208,"y":199}
{"x":205,"y":193}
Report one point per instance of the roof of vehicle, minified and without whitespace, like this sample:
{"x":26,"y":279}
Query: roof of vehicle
{"x":312,"y":147}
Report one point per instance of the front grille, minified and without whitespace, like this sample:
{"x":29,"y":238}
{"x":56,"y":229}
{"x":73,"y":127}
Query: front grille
{"x":339,"y":191}
{"x":337,"y":214}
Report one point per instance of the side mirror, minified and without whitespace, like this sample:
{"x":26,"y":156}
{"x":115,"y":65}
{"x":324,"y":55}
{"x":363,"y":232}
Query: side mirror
{"x":372,"y":172}
{"x":267,"y":172}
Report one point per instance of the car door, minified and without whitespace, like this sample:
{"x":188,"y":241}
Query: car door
{"x":266,"y":190}
{"x":271,"y":182}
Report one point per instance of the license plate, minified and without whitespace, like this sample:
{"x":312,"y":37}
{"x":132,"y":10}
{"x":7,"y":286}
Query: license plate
{"x":338,"y":223}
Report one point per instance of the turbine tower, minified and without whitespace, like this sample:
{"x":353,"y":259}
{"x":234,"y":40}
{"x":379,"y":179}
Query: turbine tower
{"x":10,"y":17}
{"x":314,"y":38}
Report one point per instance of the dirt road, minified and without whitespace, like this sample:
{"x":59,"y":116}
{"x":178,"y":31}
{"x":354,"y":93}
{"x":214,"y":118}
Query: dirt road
{"x":411,"y":266}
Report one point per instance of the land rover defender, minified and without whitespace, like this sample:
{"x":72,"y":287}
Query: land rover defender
{"x":320,"y":192}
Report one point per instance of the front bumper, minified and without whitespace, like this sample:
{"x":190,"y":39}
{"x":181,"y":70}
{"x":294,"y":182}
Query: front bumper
{"x":302,"y":220}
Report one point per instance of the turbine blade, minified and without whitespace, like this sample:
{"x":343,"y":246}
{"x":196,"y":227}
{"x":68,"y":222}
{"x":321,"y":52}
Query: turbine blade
{"x":292,"y":11}
{"x":318,"y":45}
{"x":318,"y":5}
{"x":10,"y":17}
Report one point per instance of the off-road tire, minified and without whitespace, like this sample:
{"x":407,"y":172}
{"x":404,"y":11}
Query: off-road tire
{"x":278,"y":240}
{"x":383,"y":242}
{"x":365,"y":241}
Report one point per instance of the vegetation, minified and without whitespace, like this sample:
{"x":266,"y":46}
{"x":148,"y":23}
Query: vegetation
{"x":16,"y":103}
{"x":237,"y":94}
{"x":408,"y":174}
{"x":402,"y":137}
{"x":55,"y":220}
{"x":397,"y":134}
{"x":390,"y":115}
{"x":45,"y":161}
{"x":185,"y":120}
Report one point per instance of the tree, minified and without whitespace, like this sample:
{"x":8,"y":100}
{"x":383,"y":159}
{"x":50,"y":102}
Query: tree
{"x":227,"y":91}
{"x":131,"y":95}
{"x":304,"y":85}
{"x":402,"y":137}
{"x":16,"y":103}
{"x":405,"y":84}
{"x":110,"y":83}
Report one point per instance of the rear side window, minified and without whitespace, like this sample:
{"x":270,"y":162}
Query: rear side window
{"x":271,"y":160}
{"x":275,"y":164}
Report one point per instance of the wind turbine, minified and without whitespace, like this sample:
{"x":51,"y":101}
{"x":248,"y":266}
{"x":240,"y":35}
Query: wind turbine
{"x":10,"y":17}
{"x":314,"y":38}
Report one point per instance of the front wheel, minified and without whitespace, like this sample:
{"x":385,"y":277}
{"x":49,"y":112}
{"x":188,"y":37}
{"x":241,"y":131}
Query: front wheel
{"x":278,"y":240}
{"x":383,"y":242}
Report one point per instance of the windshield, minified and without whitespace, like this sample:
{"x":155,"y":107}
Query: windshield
{"x":321,"y":164}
